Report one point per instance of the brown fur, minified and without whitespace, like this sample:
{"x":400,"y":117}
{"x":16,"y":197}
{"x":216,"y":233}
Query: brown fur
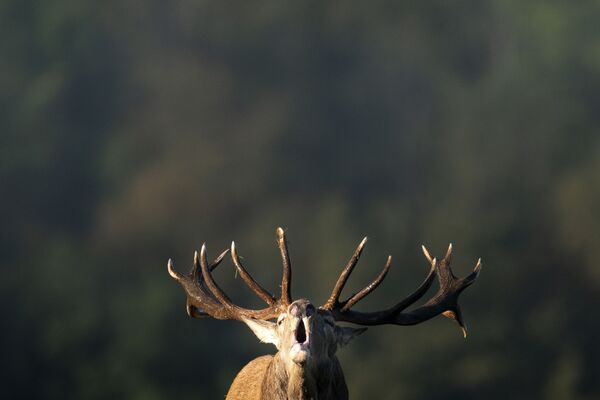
{"x":266,"y":378}
{"x":248,"y":382}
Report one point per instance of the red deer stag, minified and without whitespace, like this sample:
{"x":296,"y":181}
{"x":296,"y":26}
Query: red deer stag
{"x":305,"y":366}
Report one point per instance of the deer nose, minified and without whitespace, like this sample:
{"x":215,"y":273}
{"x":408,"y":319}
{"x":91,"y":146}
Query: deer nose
{"x":295,"y":310}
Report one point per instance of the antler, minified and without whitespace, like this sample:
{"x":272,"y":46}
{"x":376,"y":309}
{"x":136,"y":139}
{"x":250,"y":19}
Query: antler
{"x":206,"y":299}
{"x":444,"y":302}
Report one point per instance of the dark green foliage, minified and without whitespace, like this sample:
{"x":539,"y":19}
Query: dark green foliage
{"x":131,"y":132}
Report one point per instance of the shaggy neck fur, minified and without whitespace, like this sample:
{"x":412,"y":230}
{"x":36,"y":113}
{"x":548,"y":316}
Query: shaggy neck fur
{"x":321,"y":381}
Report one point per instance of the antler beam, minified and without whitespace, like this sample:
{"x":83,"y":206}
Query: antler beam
{"x":286,"y":279}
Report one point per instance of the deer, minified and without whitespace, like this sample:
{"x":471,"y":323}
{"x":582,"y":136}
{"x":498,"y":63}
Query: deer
{"x":307,"y":337}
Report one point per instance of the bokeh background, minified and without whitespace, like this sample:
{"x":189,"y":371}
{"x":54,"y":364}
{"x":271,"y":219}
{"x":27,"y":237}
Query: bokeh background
{"x":133,"y":131}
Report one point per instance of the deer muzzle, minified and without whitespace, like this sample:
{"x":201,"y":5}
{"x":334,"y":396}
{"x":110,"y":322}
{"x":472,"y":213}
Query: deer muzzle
{"x":300,"y":350}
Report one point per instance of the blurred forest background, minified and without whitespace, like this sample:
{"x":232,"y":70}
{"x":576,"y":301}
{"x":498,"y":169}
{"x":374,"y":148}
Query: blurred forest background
{"x":131,"y":132}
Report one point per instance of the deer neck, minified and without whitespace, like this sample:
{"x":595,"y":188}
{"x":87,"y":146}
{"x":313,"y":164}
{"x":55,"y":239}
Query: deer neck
{"x":310,"y":381}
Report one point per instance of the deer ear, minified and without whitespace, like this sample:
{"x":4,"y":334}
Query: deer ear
{"x":265,"y":331}
{"x":346,"y":334}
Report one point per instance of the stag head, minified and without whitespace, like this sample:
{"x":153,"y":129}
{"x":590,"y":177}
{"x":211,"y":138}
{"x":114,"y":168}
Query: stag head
{"x":303,"y":334}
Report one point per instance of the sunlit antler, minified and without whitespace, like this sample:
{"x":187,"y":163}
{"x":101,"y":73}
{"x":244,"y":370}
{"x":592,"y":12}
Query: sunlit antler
{"x":444,"y":302}
{"x":205,"y":298}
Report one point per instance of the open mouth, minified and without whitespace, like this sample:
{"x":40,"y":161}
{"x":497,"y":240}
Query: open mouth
{"x":300,"y":350}
{"x":300,"y":333}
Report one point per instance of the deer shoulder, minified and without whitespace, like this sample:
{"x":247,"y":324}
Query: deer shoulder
{"x":248,"y":384}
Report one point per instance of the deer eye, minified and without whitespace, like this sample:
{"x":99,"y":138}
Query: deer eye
{"x":280,"y":319}
{"x":310,"y":310}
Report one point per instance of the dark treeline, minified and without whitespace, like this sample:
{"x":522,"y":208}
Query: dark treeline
{"x":131,"y":132}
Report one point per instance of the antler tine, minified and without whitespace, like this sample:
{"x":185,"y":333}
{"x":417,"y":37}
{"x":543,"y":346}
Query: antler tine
{"x":210,"y":282}
{"x":218,"y":260}
{"x":448,"y":256}
{"x":456,"y":313}
{"x":426,"y":253}
{"x":469,"y":279}
{"x":369,"y":288}
{"x":286,"y":279}
{"x":174,"y":274}
{"x":196,"y":273}
{"x":259,"y":290}
{"x":343,"y":278}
